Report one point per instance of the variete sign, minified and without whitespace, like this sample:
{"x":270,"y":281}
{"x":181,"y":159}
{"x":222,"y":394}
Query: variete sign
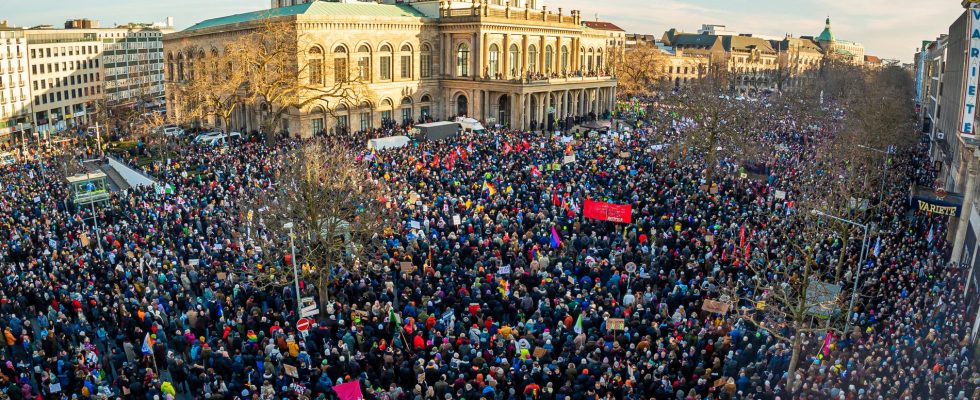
{"x":936,"y":201}
{"x":931,"y":208}
{"x":972,"y":74}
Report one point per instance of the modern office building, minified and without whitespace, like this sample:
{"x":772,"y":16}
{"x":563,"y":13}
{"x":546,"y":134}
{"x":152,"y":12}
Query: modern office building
{"x":515,"y":65}
{"x":15,"y":95}
{"x":64,"y":73}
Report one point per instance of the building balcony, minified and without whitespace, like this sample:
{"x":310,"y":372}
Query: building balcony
{"x":485,"y":11}
{"x":543,"y":79}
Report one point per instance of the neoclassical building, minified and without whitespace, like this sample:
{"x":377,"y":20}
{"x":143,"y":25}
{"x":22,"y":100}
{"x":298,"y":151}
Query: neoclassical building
{"x":512,"y":63}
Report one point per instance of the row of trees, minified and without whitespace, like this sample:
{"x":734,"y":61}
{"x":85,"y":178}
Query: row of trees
{"x":853,"y":116}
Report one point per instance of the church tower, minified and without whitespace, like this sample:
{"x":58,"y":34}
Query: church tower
{"x":826,"y":38}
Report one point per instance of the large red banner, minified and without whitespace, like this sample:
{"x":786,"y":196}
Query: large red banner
{"x":600,"y":210}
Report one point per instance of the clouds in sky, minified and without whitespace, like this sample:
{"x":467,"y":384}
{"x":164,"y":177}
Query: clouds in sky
{"x":887,"y":28}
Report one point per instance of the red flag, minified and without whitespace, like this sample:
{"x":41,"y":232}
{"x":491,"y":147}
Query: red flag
{"x":349,"y":391}
{"x":741,"y":236}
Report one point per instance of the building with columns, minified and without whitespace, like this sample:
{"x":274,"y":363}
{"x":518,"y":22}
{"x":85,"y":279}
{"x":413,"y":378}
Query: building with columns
{"x":517,"y":65}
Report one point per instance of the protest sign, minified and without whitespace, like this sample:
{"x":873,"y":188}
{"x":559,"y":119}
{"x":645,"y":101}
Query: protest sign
{"x":615,"y":324}
{"x":714,"y":306}
{"x":407,"y":267}
{"x":603,"y":211}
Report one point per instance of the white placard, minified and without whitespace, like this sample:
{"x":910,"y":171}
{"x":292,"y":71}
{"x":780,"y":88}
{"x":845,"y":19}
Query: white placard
{"x":456,"y":220}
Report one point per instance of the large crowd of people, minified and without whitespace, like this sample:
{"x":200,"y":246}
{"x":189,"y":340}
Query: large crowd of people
{"x":512,"y":292}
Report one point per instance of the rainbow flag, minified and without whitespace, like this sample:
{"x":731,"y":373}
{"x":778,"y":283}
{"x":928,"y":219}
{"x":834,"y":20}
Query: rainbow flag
{"x":148,"y":343}
{"x":489,"y":187}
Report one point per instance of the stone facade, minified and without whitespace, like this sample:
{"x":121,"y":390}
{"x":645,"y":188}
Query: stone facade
{"x":427,"y":59}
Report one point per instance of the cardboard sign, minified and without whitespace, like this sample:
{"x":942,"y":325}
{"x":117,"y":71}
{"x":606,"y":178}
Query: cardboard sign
{"x":709,"y":238}
{"x":779,"y":194}
{"x":84,"y":239}
{"x":615,"y":324}
{"x":406,"y":267}
{"x":714,"y":188}
{"x":503,"y":270}
{"x":568,"y":159}
{"x":290,"y":370}
{"x":457,"y":220}
{"x":716,"y":307}
{"x":222,"y":276}
{"x":539,"y":352}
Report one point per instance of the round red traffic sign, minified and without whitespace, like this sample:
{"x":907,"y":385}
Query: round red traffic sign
{"x":303,"y":324}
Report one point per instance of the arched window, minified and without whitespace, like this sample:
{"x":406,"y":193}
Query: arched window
{"x":406,"y":62}
{"x":189,"y":68}
{"x":215,"y":71}
{"x":426,"y":64}
{"x":386,"y":57}
{"x":493,"y":61}
{"x":581,"y":59}
{"x":549,"y":58}
{"x":364,"y":63}
{"x":180,"y":66}
{"x":170,"y":66}
{"x":512,"y":60}
{"x":340,"y":64}
{"x":532,"y":59}
{"x":202,"y":66}
{"x":598,"y":60}
{"x":463,"y":60}
{"x":315,"y":65}
{"x":564,"y":59}
{"x":591,"y":60}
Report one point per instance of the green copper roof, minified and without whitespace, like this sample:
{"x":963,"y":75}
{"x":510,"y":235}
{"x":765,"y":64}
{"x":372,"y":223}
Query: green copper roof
{"x":826,"y":35}
{"x":316,"y":8}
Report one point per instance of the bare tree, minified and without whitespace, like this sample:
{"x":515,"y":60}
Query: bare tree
{"x":289,"y":74}
{"x":715,"y":124}
{"x":640,"y":69}
{"x":786,"y":289}
{"x":271,"y":68}
{"x":335,"y":210}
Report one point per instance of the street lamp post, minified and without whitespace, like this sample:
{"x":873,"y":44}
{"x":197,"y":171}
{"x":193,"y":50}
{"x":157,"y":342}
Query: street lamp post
{"x":292,"y":245}
{"x":864,"y":253}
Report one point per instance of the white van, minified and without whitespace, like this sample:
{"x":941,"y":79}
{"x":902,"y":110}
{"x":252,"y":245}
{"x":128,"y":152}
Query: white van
{"x":170,"y":130}
{"x":7,"y":158}
{"x":222,"y":139}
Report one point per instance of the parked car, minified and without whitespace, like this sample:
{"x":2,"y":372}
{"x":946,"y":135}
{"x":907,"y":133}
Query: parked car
{"x":170,"y":130}
{"x":205,"y":136}
{"x":222,"y":139}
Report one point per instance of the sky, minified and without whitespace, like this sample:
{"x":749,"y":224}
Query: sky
{"x":891,"y":29}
